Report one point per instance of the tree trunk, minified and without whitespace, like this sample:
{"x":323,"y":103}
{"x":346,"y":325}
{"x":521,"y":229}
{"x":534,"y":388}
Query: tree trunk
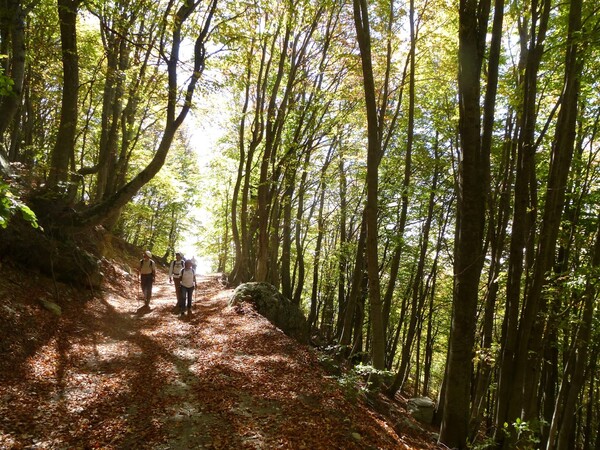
{"x":509,"y":390}
{"x":355,"y":288}
{"x":64,"y":150}
{"x":418,"y":295}
{"x":300,"y":264}
{"x":470,"y":223}
{"x":574,"y":376}
{"x":343,"y":252}
{"x":241,"y":270}
{"x":527,"y":356}
{"x":573,"y":379}
{"x":361,"y":20}
{"x":12,"y":31}
{"x":286,"y":238}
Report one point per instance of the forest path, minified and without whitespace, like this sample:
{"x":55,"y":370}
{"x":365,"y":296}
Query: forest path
{"x":117,"y":376}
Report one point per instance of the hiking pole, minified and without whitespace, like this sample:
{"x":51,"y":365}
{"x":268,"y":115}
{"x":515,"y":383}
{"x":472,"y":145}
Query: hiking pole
{"x":139,"y":293}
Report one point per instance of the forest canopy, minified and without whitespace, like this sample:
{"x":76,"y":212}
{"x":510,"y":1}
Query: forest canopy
{"x":420,"y":177}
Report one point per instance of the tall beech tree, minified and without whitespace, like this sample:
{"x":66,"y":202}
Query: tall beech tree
{"x":470,"y":225}
{"x":12,"y":47}
{"x":62,"y":157}
{"x":63,"y":154}
{"x":510,"y":400}
{"x":174,"y":115}
{"x":363,"y":33}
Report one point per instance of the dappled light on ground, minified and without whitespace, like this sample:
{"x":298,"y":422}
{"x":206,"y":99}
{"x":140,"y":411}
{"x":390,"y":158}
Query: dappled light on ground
{"x":114,"y":374}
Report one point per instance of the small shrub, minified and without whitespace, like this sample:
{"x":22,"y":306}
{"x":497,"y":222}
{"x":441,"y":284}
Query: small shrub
{"x":10,"y":205}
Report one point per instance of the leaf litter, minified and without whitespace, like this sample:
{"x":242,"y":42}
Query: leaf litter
{"x":111,"y":374}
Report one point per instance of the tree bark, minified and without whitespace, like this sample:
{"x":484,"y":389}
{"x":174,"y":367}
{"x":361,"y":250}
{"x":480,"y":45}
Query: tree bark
{"x":64,"y":149}
{"x":525,"y":203}
{"x":355,"y":288}
{"x":573,"y":379}
{"x":12,"y":37}
{"x":473,"y":173}
{"x":361,"y":21}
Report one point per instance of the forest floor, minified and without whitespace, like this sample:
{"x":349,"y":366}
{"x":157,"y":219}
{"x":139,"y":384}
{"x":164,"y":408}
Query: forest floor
{"x":109,"y":373}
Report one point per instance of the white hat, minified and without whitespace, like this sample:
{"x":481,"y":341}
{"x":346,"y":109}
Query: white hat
{"x":148,"y":253}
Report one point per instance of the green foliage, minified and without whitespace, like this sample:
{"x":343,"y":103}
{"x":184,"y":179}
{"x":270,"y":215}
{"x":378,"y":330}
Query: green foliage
{"x":524,"y":434}
{"x":161,"y":215}
{"x":361,"y":379}
{"x":6,"y":83}
{"x":10,"y":204}
{"x":351,"y":385}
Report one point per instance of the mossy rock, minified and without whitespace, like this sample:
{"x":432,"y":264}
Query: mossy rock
{"x":271,"y":304}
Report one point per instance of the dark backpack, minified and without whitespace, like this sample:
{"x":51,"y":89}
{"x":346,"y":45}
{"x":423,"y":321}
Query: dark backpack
{"x":175,"y":263}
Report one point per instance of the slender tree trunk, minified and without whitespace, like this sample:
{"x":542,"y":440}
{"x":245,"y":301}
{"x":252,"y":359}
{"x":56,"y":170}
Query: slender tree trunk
{"x":343,"y":254}
{"x":236,"y":276}
{"x":286,"y":231}
{"x":573,"y":379}
{"x":355,"y":288}
{"x":498,"y":224}
{"x":64,"y":149}
{"x":12,"y":29}
{"x":409,"y":66}
{"x":561,"y":427}
{"x":361,"y":20}
{"x":312,"y":316}
{"x":299,"y":284}
{"x":527,"y":357}
{"x":473,"y":171}
{"x":509,"y":387}
{"x":242,"y":271}
{"x":418,"y":296}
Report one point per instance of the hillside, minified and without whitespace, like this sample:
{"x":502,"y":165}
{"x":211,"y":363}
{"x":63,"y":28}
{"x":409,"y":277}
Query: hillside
{"x":110,"y":374}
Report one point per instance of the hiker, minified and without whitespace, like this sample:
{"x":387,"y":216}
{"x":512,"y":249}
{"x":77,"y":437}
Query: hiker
{"x":188,"y":284}
{"x":147,"y":275}
{"x":175,"y":269}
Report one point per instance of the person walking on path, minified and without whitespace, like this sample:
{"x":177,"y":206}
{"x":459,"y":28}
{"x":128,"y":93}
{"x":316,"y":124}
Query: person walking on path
{"x":147,"y":276}
{"x":188,"y":284}
{"x":175,"y":269}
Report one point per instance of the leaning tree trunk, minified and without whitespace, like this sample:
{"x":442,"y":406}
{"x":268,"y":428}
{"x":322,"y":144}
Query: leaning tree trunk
{"x":105,"y":208}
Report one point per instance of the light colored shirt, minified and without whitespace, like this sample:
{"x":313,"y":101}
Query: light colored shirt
{"x":188,"y":278}
{"x":176,"y":267}
{"x":146,"y":266}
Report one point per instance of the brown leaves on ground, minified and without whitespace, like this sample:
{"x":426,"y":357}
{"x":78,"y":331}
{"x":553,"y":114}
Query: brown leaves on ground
{"x":111,"y":374}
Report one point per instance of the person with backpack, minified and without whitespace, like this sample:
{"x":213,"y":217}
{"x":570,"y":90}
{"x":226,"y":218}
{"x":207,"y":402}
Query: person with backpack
{"x":188,"y":284}
{"x":175,"y":269}
{"x":147,"y":275}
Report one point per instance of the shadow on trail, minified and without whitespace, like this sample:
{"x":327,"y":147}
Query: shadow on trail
{"x":138,"y":377}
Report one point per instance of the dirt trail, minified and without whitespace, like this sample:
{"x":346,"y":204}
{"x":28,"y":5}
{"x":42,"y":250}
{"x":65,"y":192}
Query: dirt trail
{"x":116,"y":376}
